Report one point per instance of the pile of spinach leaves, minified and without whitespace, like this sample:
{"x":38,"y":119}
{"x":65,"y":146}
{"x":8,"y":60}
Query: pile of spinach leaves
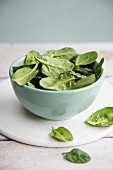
{"x":61,"y":69}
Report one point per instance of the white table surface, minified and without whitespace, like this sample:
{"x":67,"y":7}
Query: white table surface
{"x":18,"y":156}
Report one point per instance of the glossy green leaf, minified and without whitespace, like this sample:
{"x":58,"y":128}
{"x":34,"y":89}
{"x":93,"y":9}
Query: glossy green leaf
{"x":63,"y":64}
{"x":85,"y":81}
{"x":15,"y":68}
{"x":64,"y":82}
{"x":102,"y":117}
{"x":85,"y":71}
{"x":86,"y":58}
{"x":78,"y":75}
{"x":77,"y":156}
{"x":99,"y":68}
{"x":31,"y":85}
{"x":61,"y":134}
{"x":30,"y":58}
{"x":51,"y":71}
{"x":64,"y":53}
{"x":24,"y":75}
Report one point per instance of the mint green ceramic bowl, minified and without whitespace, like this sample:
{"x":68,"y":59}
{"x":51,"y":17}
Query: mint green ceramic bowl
{"x":55,"y":105}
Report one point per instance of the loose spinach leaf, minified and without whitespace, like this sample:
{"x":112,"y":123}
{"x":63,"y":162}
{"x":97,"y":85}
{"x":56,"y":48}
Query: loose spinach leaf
{"x":24,"y":75}
{"x":86,"y":58}
{"x":64,"y":53}
{"x":77,"y":156}
{"x":30,"y":58}
{"x":85,"y":81}
{"x":102,"y":117}
{"x":64,"y":82}
{"x":61,"y":134}
{"x":99,"y":68}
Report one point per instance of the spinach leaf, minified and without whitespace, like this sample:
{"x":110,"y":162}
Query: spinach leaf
{"x":85,"y":81}
{"x":99,"y":68}
{"x":50,"y":66}
{"x":30,"y":58}
{"x":102,"y":117}
{"x":86,"y":58}
{"x":15,"y":68}
{"x":64,"y":82}
{"x":64,"y":53}
{"x":24,"y":75}
{"x":63,"y":64}
{"x":85,"y":71}
{"x":77,"y":156}
{"x":31,"y":85}
{"x":78,"y":75}
{"x":51,"y":71}
{"x":61,"y":134}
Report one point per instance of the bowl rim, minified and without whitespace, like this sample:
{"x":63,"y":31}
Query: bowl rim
{"x":53,"y":91}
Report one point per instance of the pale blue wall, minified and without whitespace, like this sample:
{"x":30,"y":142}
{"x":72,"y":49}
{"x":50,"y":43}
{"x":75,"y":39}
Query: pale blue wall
{"x":56,"y":20}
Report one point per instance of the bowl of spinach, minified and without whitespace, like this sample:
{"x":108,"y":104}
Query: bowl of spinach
{"x":57,"y":84}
